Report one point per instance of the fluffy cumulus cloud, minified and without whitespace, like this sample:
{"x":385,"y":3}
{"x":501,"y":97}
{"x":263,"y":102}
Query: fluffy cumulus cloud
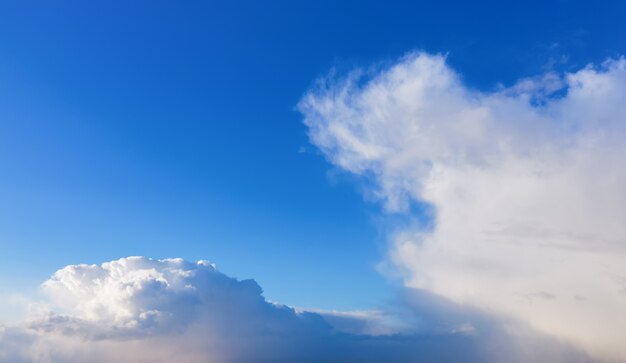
{"x":521,"y":191}
{"x":142,"y":310}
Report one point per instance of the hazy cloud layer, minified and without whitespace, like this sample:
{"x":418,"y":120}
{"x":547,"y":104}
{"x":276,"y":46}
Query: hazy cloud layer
{"x":527,"y":187}
{"x":141,"y":310}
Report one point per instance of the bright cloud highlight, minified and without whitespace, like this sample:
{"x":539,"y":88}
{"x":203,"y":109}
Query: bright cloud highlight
{"x":527,"y":187}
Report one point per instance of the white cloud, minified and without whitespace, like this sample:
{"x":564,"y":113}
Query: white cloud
{"x":527,"y":185}
{"x":141,"y":310}
{"x":369,"y":322}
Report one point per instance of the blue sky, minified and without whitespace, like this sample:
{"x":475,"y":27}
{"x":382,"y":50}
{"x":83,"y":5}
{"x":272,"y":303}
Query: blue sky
{"x":152,"y":128}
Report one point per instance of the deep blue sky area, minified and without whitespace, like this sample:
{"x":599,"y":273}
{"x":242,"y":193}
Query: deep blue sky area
{"x":169,"y":129}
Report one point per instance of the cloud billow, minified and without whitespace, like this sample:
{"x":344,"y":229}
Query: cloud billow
{"x":137,"y":309}
{"x":527,"y":184}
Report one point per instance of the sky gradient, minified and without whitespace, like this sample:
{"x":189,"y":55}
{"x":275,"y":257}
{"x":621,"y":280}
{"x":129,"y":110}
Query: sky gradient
{"x":209,"y":131}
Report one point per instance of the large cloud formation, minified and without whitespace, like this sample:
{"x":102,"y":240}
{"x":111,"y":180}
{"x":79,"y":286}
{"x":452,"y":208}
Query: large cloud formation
{"x":137,"y":309}
{"x":525,"y":186}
